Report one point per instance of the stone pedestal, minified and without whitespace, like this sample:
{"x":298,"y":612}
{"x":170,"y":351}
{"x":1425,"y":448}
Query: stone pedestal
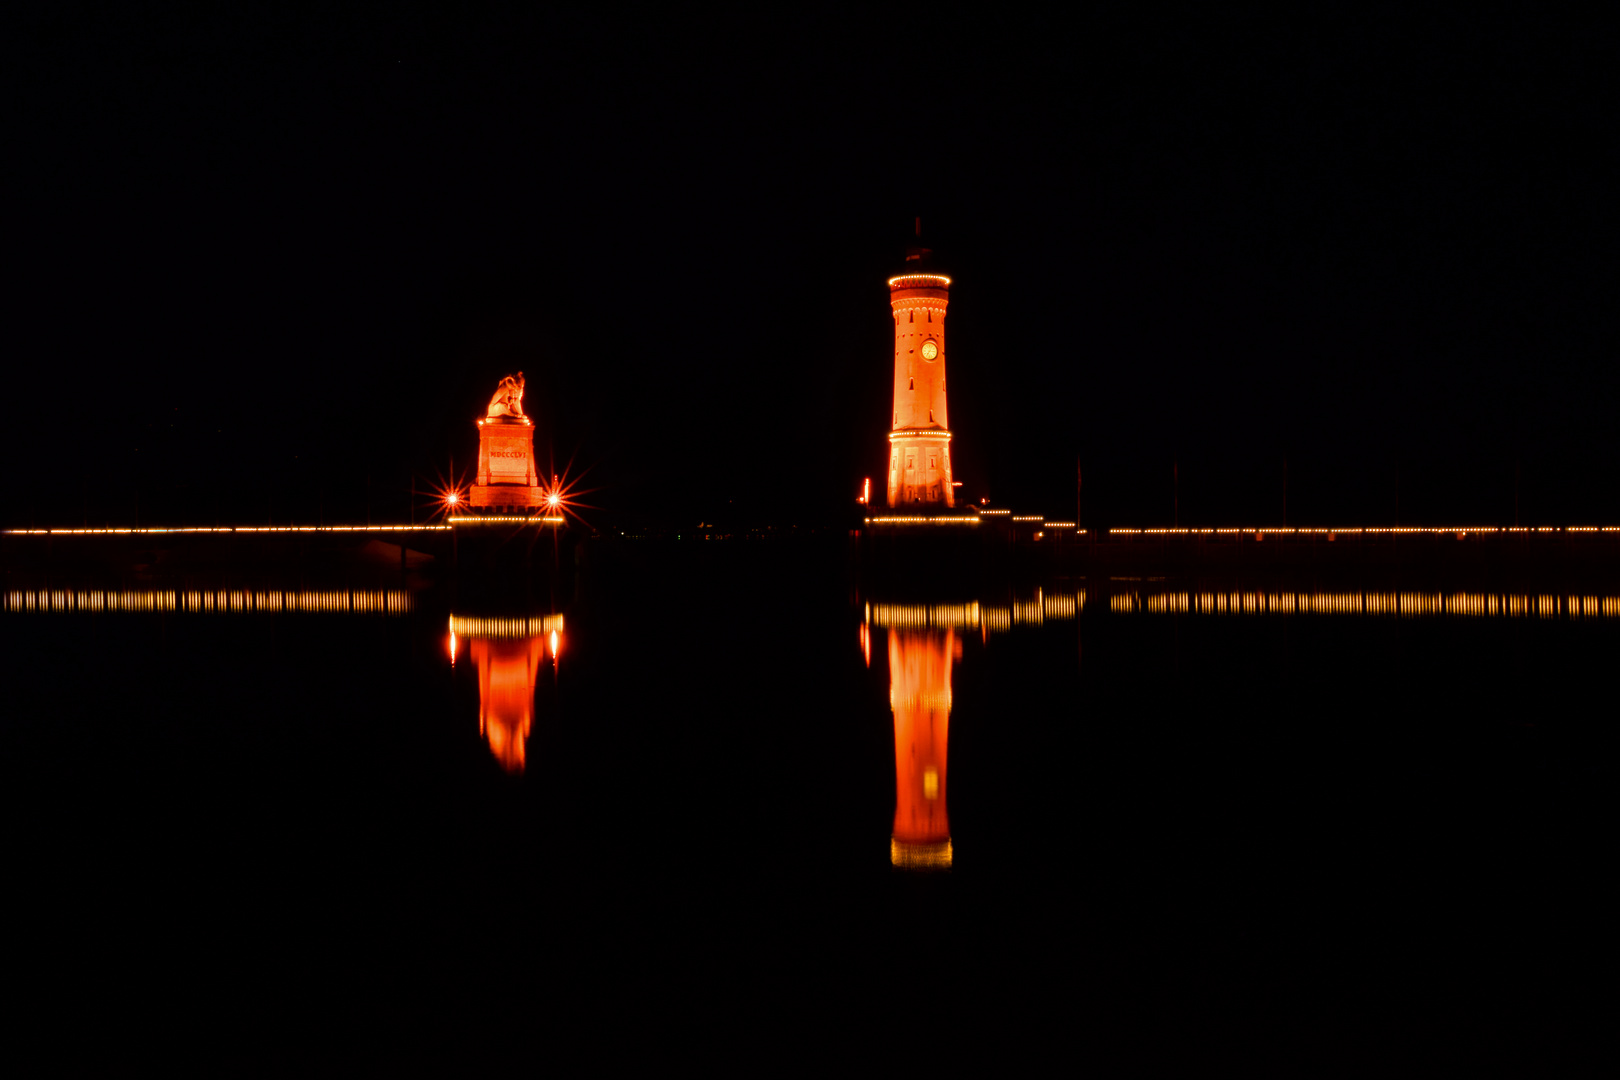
{"x":507,"y":478}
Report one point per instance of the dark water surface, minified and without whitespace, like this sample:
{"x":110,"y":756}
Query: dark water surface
{"x":1310,"y":843}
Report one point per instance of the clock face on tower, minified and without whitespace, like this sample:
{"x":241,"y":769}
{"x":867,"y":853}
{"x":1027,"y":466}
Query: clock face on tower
{"x":929,"y":350}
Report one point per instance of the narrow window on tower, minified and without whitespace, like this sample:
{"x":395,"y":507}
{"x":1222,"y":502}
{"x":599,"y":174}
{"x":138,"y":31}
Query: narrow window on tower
{"x":930,"y":416}
{"x":911,"y":384}
{"x":930,"y":314}
{"x":911,"y":316}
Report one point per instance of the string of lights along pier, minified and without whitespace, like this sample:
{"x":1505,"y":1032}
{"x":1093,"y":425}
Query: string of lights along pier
{"x":1040,"y":525}
{"x":245,"y":530}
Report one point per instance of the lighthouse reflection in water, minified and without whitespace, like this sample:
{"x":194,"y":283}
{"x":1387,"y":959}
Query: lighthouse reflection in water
{"x":509,"y":654}
{"x":920,"y":695}
{"x":924,"y":641}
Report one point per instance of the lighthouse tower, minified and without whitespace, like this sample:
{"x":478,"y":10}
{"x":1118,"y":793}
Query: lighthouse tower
{"x":920,"y":441}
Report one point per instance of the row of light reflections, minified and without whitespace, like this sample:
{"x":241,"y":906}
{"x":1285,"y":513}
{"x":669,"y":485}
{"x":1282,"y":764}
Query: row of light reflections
{"x":923,"y":642}
{"x":1401,"y":604}
{"x":509,"y":652}
{"x":207,"y":601}
{"x":1044,"y":607}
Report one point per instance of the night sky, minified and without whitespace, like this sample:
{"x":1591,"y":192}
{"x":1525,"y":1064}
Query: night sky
{"x":264,"y":261}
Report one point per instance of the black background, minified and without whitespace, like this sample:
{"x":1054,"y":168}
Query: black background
{"x":267,"y":264}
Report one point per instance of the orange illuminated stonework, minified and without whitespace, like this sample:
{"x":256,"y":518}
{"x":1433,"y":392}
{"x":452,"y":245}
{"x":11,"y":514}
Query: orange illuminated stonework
{"x":920,"y":440}
{"x":506,"y":473}
{"x":507,"y":478}
{"x":506,"y":672}
{"x":920,"y":695}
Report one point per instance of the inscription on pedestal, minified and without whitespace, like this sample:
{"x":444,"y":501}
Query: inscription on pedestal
{"x":510,"y":457}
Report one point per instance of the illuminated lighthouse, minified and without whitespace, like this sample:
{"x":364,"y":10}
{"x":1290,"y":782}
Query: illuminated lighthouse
{"x":920,"y":441}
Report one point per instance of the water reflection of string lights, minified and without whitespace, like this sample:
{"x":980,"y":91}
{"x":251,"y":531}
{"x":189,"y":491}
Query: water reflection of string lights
{"x":194,"y":601}
{"x":918,"y":519}
{"x":996,"y":618}
{"x":1395,"y":604}
{"x":522,"y":626}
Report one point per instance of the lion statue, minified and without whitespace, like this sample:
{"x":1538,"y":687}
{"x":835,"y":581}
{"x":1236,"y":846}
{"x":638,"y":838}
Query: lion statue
{"x":508,"y":399}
